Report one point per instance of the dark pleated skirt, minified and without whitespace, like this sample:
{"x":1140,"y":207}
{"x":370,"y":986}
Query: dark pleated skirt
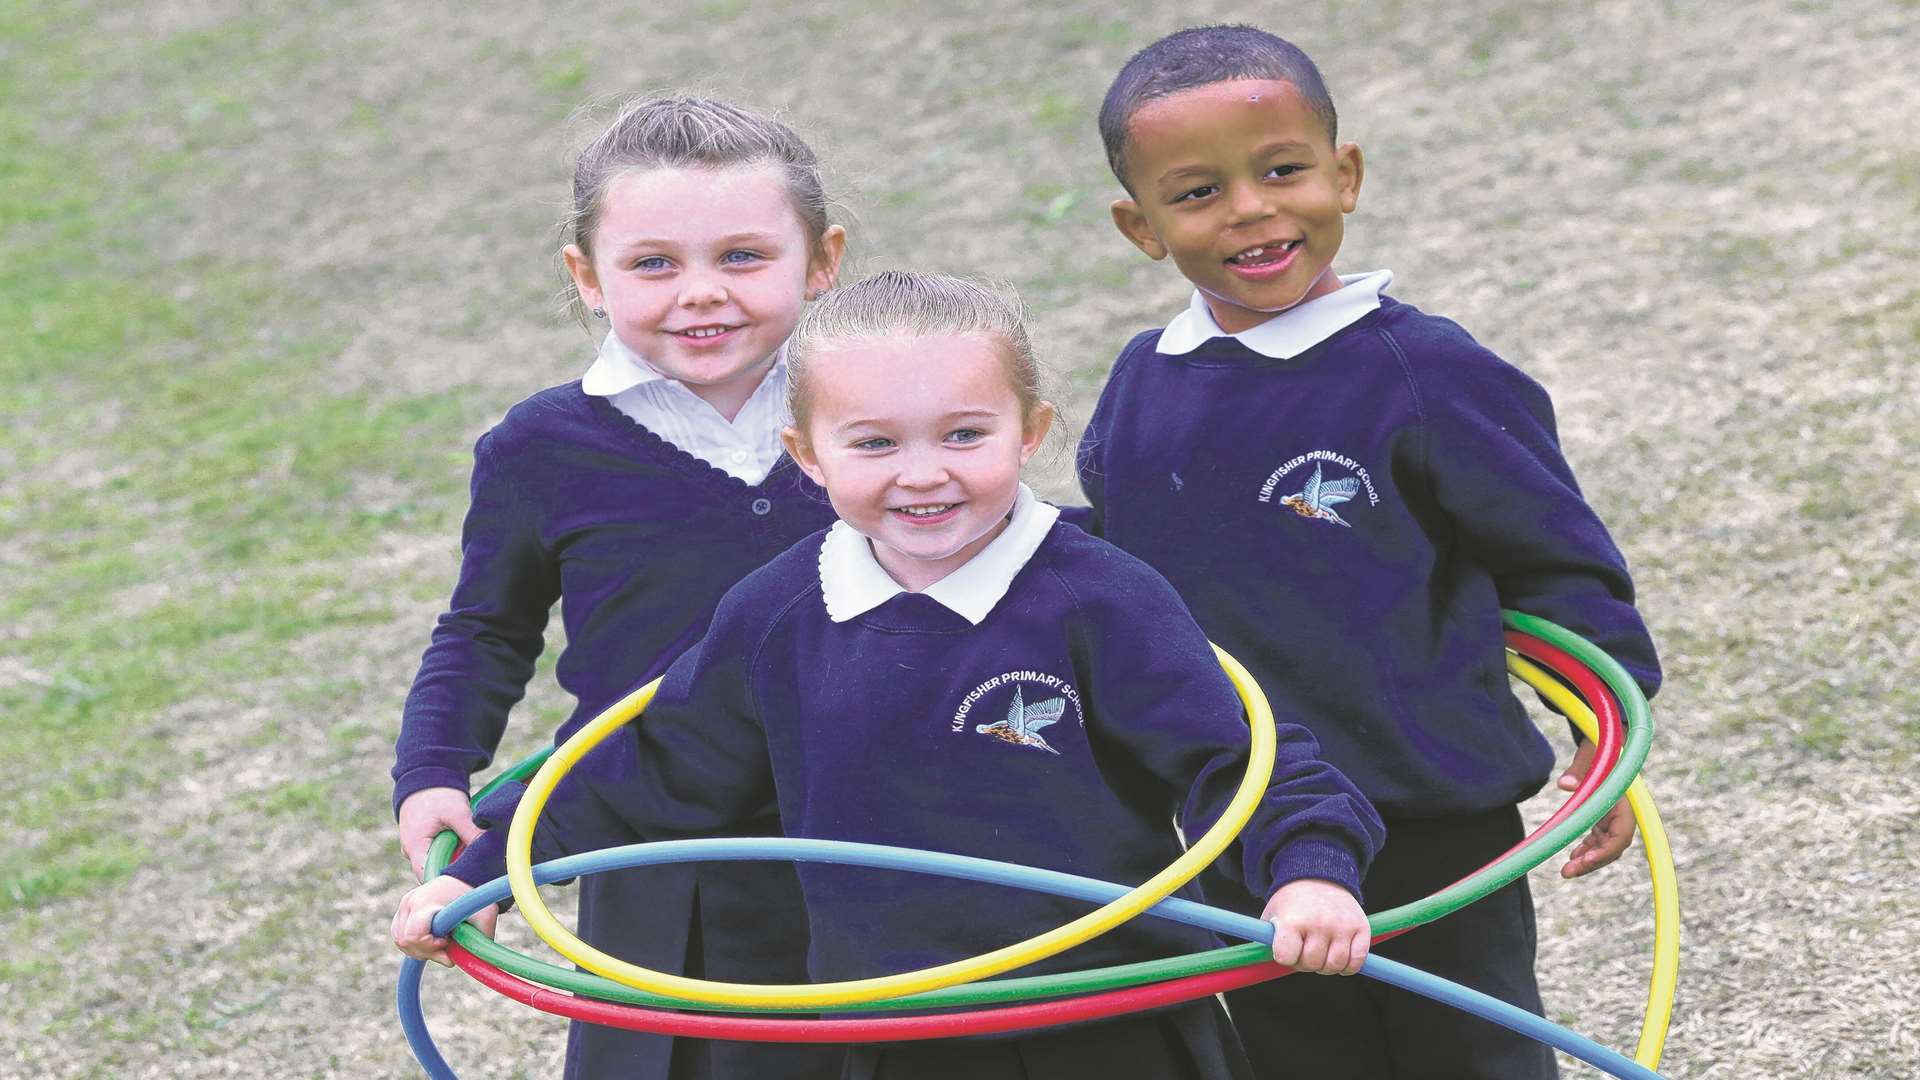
{"x":737,"y":922}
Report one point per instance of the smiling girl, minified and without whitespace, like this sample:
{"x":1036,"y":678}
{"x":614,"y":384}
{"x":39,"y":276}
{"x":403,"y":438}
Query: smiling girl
{"x":951,"y":668}
{"x":636,"y":496}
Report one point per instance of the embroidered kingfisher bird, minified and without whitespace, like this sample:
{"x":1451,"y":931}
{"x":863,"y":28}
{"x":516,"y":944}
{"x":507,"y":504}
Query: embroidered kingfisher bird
{"x":1023,"y":722}
{"x":1317,"y":500}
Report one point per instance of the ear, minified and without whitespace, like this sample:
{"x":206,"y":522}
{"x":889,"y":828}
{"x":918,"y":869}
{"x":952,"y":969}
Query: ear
{"x":1034,"y":431}
{"x":1351,"y":168}
{"x":800,"y":449}
{"x":1136,"y":228}
{"x":585,"y":281}
{"x":823,"y":269}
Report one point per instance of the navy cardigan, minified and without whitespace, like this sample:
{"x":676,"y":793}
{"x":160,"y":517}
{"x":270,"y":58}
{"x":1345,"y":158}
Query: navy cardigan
{"x":635,"y":537}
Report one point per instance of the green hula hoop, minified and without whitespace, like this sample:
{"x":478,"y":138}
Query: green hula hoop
{"x":1633,"y":755}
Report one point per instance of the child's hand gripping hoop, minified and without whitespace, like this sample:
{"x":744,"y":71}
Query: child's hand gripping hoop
{"x":1202,"y":852}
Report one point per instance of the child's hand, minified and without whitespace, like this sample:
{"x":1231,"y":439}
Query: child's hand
{"x":427,"y":811}
{"x":1611,"y":835}
{"x":1318,"y":926}
{"x":413,"y":923}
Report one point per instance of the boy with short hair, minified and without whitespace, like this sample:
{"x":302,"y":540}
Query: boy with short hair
{"x":1346,"y":491}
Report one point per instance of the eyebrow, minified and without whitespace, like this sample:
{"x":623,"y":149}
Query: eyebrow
{"x":1268,"y":150}
{"x":1185,"y":170}
{"x":1283,"y":144}
{"x":949,"y":418}
{"x":728,"y":240}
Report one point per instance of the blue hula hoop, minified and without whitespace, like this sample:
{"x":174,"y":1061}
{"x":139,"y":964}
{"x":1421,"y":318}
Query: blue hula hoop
{"x":845,"y":853}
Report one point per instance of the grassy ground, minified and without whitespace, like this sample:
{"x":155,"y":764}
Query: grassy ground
{"x":264,"y":275}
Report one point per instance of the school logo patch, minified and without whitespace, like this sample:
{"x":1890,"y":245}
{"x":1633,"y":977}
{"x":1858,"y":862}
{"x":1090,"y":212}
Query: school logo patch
{"x":1319,"y":493}
{"x":1027,"y":715}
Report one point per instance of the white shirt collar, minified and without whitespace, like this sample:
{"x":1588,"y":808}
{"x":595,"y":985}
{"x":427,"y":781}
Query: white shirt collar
{"x":1289,"y":333}
{"x":616,"y":369}
{"x":852,"y":581}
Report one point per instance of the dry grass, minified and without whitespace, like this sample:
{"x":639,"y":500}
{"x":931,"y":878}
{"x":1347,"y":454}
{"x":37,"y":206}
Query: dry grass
{"x":1697,"y":224}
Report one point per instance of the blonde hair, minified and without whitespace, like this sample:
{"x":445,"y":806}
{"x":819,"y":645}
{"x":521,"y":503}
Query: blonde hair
{"x":896,"y":304}
{"x":682,"y":131}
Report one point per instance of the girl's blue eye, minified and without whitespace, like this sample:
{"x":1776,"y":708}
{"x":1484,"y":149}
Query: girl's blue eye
{"x":739,"y":258}
{"x":651,"y":263}
{"x":875,"y":443}
{"x":967,"y":435}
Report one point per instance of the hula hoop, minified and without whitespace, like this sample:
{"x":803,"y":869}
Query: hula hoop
{"x":486,"y":951}
{"x":1666,"y":894}
{"x":1606,"y":739}
{"x":1475,"y":887}
{"x":900,"y":1028}
{"x":1011,"y":1018}
{"x":1125,"y":975}
{"x":1215,"y":971}
{"x":1196,"y":858}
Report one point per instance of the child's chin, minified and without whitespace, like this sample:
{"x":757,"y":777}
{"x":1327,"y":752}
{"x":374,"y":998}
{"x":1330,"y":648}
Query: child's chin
{"x":928,"y":553}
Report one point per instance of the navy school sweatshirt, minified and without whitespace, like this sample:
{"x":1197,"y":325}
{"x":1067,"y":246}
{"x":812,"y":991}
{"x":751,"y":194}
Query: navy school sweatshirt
{"x":1349,"y":523}
{"x":1070,"y":729}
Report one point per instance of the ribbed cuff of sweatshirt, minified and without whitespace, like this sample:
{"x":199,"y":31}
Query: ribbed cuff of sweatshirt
{"x":483,"y":860}
{"x":1317,"y":855}
{"x":422,"y":777}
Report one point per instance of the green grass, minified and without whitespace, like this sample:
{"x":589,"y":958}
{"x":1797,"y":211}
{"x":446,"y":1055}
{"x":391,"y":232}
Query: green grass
{"x":563,"y":73}
{"x":1051,"y":202}
{"x":224,"y":490}
{"x":300,"y":798}
{"x":73,"y":863}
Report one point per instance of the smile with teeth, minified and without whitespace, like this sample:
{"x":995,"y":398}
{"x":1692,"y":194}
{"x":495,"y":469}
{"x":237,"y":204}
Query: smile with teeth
{"x":1265,"y":254}
{"x":704,"y":331}
{"x":929,"y":510}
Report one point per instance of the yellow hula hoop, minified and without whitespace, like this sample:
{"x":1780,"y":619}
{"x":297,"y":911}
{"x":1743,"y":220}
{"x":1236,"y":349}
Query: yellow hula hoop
{"x":815,"y":995}
{"x":1666,"y":893}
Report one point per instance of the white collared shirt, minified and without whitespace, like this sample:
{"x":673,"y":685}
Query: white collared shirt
{"x":745,"y":448}
{"x":1289,"y":333}
{"x":852,"y":581}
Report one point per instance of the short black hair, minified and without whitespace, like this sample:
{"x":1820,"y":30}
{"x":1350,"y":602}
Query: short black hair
{"x":1202,"y":56}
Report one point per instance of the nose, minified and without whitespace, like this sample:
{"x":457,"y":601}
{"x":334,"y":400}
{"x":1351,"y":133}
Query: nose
{"x":699,"y":290}
{"x":1247,"y":204}
{"x":921,"y":468}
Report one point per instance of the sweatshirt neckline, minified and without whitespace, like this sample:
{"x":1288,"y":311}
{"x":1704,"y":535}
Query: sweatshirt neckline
{"x":610,"y":416}
{"x":1230,"y":352}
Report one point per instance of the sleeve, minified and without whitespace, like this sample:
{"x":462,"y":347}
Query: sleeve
{"x":484,"y":646}
{"x":702,"y":761}
{"x":1495,"y":469}
{"x":1089,"y":463}
{"x":574,"y":820}
{"x":1159,"y":693}
{"x":1090,"y":460}
{"x":1081,"y":517}
{"x":701,"y":767}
